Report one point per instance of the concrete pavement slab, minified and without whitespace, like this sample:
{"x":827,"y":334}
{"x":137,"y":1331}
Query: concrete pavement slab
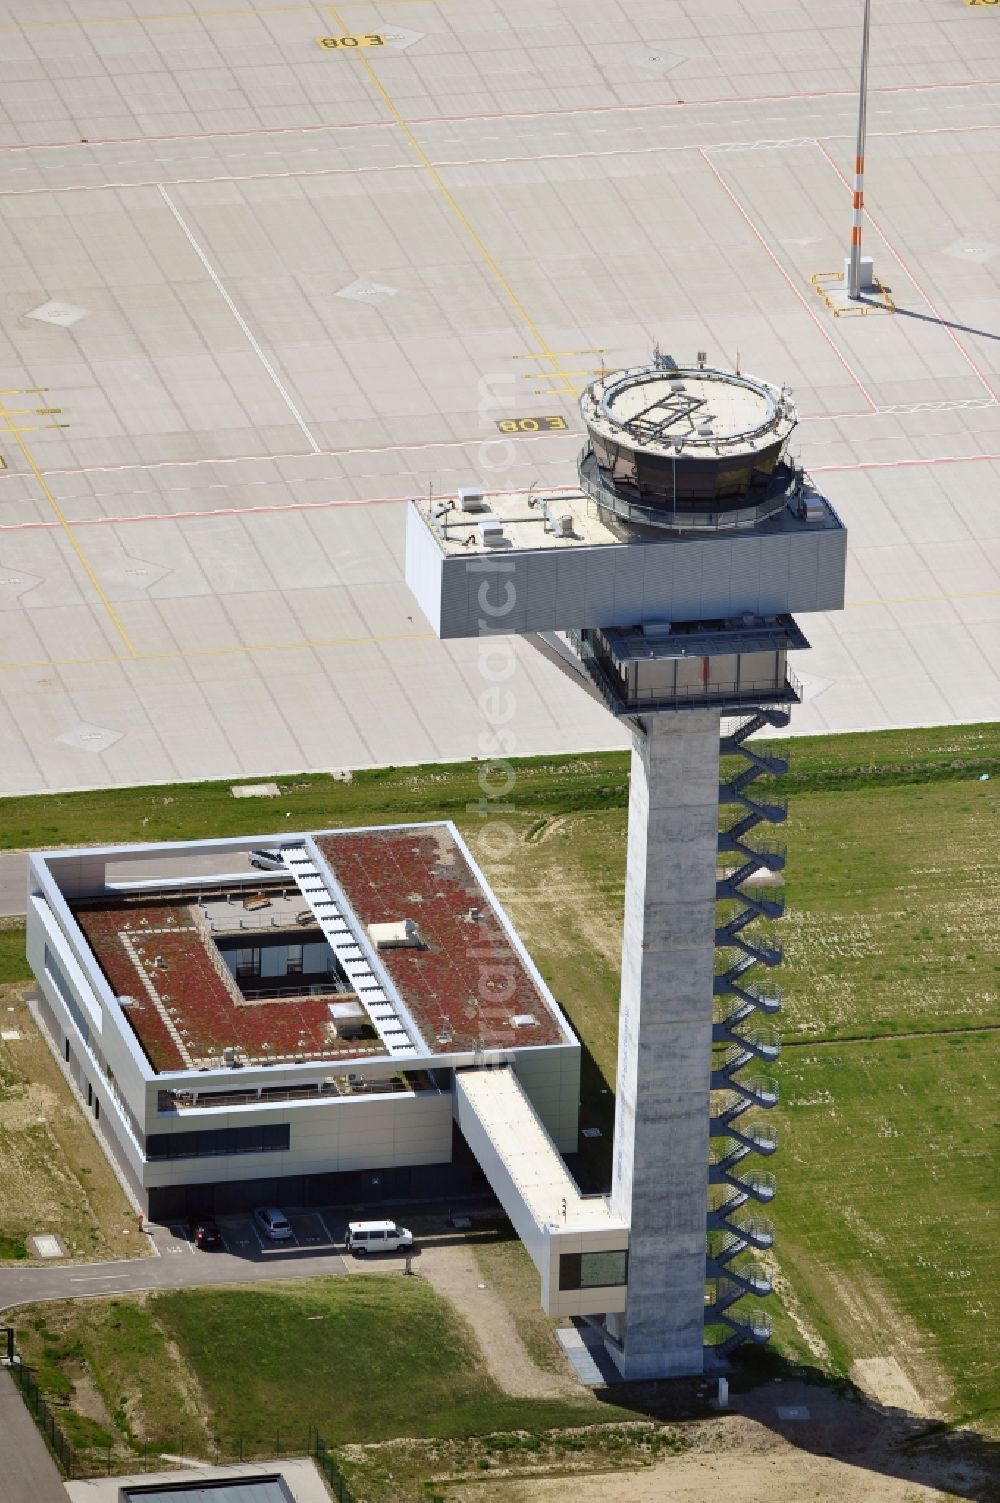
{"x":205,"y":561}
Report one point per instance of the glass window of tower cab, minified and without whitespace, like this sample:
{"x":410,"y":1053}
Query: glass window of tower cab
{"x":686,"y":448}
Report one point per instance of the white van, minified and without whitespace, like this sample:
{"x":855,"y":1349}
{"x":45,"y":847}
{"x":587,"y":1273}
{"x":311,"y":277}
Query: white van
{"x":364,"y":1237}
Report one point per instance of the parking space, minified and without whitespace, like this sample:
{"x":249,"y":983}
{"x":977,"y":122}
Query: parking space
{"x":311,"y":1229}
{"x":242,"y":1235}
{"x":314,"y":1232}
{"x":315,"y":1235}
{"x":177,"y":1241}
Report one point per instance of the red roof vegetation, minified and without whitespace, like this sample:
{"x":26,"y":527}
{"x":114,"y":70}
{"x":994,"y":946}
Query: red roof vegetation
{"x":468,"y":983}
{"x":463,"y":988}
{"x":207,"y":1013}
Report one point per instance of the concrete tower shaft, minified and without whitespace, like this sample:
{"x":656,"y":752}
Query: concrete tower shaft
{"x":661,"y":1144}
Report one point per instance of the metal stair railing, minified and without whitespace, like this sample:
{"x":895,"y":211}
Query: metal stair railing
{"x":763,"y":1043}
{"x":769,"y":854}
{"x":764,"y":952}
{"x":725,"y":985}
{"x":743,"y":1047}
{"x":759,"y":1090}
{"x":761,"y":1140}
{"x":733,"y":1283}
{"x":755,"y":904}
{"x":737,"y":1237}
{"x":754,"y":1327}
{"x":760,"y":1185}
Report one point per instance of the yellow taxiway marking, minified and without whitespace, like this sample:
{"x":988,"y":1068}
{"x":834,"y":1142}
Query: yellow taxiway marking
{"x":185,"y":15}
{"x":17,"y":432}
{"x":546,"y":352}
{"x":850,"y":605}
{"x":307,"y":644}
{"x":195,"y":15}
{"x":347,"y":44}
{"x":312,"y":644}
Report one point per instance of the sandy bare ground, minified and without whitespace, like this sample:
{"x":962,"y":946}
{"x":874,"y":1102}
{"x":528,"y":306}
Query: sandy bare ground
{"x":844,"y":1452}
{"x":774,"y":1478}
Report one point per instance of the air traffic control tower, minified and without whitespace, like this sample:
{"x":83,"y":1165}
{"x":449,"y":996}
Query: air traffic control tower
{"x":666,"y":585}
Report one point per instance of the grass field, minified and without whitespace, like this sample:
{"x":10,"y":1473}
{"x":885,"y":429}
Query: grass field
{"x":361,"y":1358}
{"x":886,"y":1169}
{"x":545,"y":785}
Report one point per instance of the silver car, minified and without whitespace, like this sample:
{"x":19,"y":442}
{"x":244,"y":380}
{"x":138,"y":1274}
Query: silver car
{"x":266,"y":861}
{"x":273,"y":1223}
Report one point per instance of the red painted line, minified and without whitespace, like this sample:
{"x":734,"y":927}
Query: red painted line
{"x":778,"y":266}
{"x":242,"y":511}
{"x":559,"y":113}
{"x":901,"y":464}
{"x":297,"y":506}
{"x":983,"y":380}
{"x":121,"y":184}
{"x":184,"y":464}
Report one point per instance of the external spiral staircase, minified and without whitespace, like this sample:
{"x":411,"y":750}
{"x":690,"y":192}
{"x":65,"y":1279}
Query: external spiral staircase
{"x":737,"y":1185}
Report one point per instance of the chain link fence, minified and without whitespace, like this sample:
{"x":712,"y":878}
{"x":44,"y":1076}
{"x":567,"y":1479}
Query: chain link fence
{"x":174,"y":1451}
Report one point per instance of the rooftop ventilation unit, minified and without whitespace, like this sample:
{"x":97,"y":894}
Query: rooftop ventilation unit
{"x":490,"y":531}
{"x":524,"y":1020}
{"x":470,"y":498}
{"x":403,"y":935}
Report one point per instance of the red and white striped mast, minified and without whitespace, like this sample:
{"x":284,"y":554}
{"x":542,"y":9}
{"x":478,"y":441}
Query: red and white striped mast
{"x":854,"y":264}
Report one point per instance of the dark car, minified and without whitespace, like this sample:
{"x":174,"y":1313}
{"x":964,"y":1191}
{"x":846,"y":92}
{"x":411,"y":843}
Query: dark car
{"x":205,"y":1232}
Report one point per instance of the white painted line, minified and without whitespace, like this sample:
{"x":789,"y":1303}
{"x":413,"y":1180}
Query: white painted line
{"x":93,"y":1278}
{"x":239,"y":319}
{"x":326,"y":1229}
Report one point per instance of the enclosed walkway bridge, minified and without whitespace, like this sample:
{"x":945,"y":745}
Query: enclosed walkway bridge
{"x":579,"y":1248}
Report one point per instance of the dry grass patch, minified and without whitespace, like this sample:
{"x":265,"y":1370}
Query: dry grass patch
{"x":54,"y":1177}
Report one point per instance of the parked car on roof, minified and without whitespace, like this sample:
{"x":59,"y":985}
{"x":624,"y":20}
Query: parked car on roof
{"x":266,"y":861}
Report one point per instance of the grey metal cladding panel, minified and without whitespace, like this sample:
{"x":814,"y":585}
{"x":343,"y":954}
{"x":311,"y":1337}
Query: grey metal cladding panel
{"x":456,"y":618}
{"x":716,"y":581}
{"x":775,"y":558}
{"x":495,"y":592}
{"x":688,"y":567}
{"x":600,"y":584}
{"x":509,"y":586}
{"x":540,"y":582}
{"x":629,"y":583}
{"x":831,"y":564}
{"x":571,"y":591}
{"x":659,"y":561}
{"x":802,"y":572}
{"x":744,"y":580}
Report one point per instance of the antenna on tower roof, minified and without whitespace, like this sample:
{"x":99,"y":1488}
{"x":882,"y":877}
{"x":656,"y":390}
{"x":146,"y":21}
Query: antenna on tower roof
{"x":661,"y":360}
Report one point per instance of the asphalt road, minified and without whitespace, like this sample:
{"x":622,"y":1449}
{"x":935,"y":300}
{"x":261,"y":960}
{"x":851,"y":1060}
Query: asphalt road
{"x":181,"y":1266}
{"x":13,"y":883}
{"x":29,"y":1473}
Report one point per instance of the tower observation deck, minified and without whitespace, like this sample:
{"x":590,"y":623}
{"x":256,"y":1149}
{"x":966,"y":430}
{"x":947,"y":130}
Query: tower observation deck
{"x":665,"y":586}
{"x":686,"y":449}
